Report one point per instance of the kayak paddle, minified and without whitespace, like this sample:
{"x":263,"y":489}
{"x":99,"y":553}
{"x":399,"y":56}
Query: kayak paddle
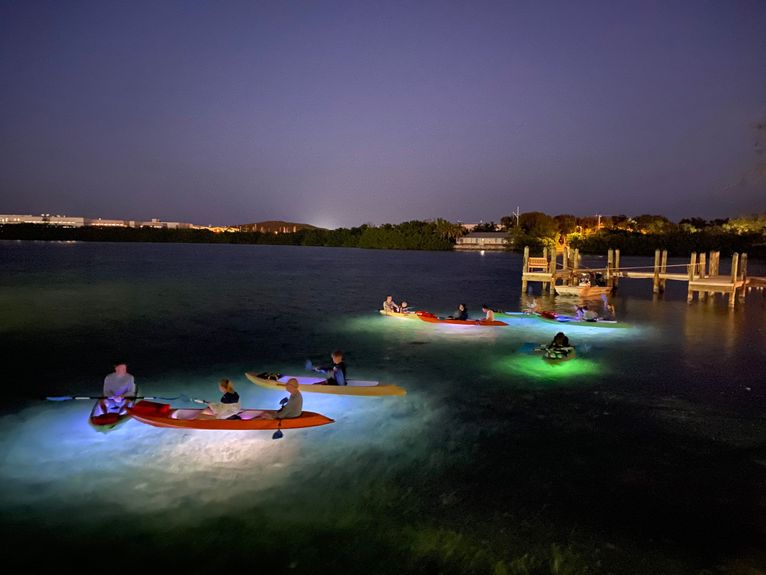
{"x":70,"y":397}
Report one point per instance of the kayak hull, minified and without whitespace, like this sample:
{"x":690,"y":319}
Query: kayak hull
{"x":107,"y":421}
{"x":431,"y":318}
{"x":190,"y":419}
{"x":411,"y":315}
{"x":563,"y":319}
{"x":315,"y":385}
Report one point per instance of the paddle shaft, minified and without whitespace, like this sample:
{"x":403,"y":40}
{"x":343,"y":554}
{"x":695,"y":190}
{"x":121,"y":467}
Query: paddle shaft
{"x":70,"y":397}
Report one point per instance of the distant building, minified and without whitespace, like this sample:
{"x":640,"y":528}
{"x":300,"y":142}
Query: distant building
{"x":483,"y":241}
{"x":67,"y":221}
{"x":79,"y":221}
{"x":107,"y":223}
{"x":155,"y":223}
{"x":21,"y":219}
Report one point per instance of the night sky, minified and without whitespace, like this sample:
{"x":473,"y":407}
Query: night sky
{"x":337,"y":114}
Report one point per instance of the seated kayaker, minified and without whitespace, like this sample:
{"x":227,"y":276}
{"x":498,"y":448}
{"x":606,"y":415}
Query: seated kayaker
{"x":389,"y":306}
{"x":559,"y":340}
{"x":292,"y":407}
{"x":583,"y":313}
{"x":228,"y":406}
{"x":531,"y":306}
{"x":336,"y":371}
{"x":404,"y":308}
{"x":118,"y":386}
{"x":461,"y":313}
{"x":559,"y":348}
{"x":489,"y":314}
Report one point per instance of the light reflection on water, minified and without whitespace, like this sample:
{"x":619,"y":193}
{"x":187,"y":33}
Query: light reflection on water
{"x":185,"y":316}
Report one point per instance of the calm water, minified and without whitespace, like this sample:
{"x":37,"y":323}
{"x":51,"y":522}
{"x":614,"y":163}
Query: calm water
{"x":646,"y":454}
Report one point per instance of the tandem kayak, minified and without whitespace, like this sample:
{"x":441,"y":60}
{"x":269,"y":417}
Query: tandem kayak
{"x":431,"y":318}
{"x":162,"y":415}
{"x":318,"y":385}
{"x":409,"y":315}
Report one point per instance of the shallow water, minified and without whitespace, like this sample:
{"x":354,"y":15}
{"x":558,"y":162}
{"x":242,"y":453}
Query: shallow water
{"x":643,"y":455}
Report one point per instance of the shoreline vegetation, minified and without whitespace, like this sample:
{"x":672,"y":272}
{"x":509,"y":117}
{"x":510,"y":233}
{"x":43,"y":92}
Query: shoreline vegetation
{"x":591,"y":235}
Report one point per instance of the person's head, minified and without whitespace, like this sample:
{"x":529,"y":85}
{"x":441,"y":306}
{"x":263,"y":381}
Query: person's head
{"x":337,"y":356}
{"x":120,"y":368}
{"x":484,"y":307}
{"x":389,"y":298}
{"x":226,"y":386}
{"x":461,"y":307}
{"x":404,"y":304}
{"x":559,"y":336}
{"x":292,"y":385}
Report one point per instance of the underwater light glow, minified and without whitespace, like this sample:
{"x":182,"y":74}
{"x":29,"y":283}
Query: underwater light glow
{"x":536,"y":367}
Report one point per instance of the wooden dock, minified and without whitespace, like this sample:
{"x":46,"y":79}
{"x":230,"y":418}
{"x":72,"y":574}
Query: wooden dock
{"x":701,"y":273}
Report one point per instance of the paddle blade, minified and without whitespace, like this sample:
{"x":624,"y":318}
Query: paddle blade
{"x":278,"y":434}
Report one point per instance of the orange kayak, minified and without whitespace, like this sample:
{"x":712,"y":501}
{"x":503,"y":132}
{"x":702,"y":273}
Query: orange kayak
{"x":431,"y":318}
{"x":162,"y":415}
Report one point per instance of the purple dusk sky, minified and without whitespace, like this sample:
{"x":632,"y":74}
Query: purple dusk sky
{"x":340,"y":113}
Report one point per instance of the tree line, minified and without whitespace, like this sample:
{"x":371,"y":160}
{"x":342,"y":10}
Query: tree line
{"x":413,"y":235}
{"x":639,"y":235}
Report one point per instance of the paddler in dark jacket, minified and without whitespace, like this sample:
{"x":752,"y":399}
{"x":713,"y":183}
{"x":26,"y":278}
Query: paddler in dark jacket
{"x":461,"y":313}
{"x":336,"y":371}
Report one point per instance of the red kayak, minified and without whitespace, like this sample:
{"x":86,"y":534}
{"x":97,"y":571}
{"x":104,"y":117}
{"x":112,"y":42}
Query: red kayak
{"x":104,"y":421}
{"x":162,"y":415}
{"x":431,"y":318}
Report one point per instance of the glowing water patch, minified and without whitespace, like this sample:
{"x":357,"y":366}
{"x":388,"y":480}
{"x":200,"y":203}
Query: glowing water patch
{"x":536,"y":367}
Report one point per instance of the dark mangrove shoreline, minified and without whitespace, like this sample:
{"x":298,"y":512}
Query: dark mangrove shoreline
{"x":415,"y":235}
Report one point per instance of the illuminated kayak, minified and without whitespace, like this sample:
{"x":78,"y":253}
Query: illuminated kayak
{"x":107,"y":421}
{"x":553,"y":317}
{"x":162,"y":415}
{"x":557,"y":354}
{"x":410,"y":315}
{"x":315,"y":384}
{"x":431,"y":318}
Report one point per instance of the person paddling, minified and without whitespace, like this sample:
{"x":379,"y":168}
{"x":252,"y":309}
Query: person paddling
{"x":461,"y":313}
{"x":389,"y":306}
{"x":118,"y":386}
{"x":336,"y":371}
{"x":292,"y":406}
{"x":229,"y":405}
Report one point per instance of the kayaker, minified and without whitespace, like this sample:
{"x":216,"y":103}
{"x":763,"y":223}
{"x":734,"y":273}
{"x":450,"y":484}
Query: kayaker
{"x":559,"y":348}
{"x":531,"y":306}
{"x":404,"y":307}
{"x":389,"y":306}
{"x":559,"y":340}
{"x":489,"y":314}
{"x":292,"y":407}
{"x":336,"y":371}
{"x":228,"y":406}
{"x":461,"y":313}
{"x":118,"y":386}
